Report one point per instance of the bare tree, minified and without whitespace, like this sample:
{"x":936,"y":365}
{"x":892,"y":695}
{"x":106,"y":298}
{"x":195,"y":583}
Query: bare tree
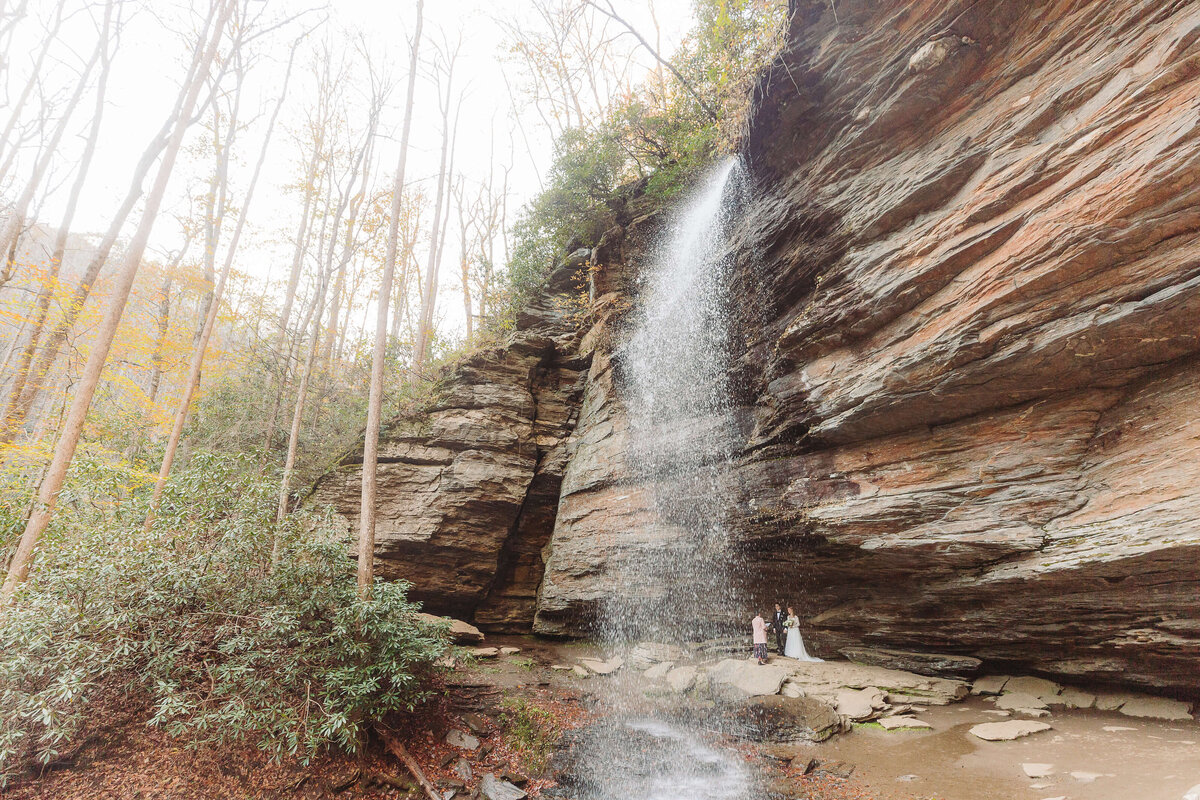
{"x":366,"y":530}
{"x":35,"y":75}
{"x":16,"y":218}
{"x":60,"y":241}
{"x":204,"y":54}
{"x":429,"y":295}
{"x":214,"y":301}
{"x":611,"y":13}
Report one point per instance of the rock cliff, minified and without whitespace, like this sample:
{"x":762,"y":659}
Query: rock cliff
{"x":968,"y":362}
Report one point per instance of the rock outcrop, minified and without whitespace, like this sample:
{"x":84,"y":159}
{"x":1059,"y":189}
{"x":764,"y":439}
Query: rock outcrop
{"x":974,"y":421}
{"x":968,"y":362}
{"x":469,"y":482}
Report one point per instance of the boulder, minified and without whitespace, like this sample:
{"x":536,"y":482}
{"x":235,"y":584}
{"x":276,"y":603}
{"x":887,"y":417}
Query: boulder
{"x":494,"y":788}
{"x":509,"y":651}
{"x":748,"y":678}
{"x":1007,"y":731}
{"x":580,"y":671}
{"x":936,"y":664}
{"x":1112,"y":701}
{"x":860,"y":704}
{"x":478,"y":723}
{"x":460,"y":632}
{"x":836,"y":769}
{"x":461,"y":739}
{"x":1032,"y":712}
{"x":646,"y":654}
{"x":1072,"y":698}
{"x":681,"y":679}
{"x":1156,"y":708}
{"x":772,"y":718}
{"x":989,"y":684}
{"x":659,"y":671}
{"x":462,"y":768}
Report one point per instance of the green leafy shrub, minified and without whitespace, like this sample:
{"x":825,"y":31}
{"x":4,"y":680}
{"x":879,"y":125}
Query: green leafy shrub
{"x":654,"y":141}
{"x":194,"y":620}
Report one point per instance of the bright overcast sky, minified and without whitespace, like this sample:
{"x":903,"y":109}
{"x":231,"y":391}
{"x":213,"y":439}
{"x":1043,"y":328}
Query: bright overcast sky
{"x":150,"y":64}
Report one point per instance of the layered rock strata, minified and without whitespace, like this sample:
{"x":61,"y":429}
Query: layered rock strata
{"x":975,"y":422}
{"x":968,"y":294}
{"x":469,"y":482}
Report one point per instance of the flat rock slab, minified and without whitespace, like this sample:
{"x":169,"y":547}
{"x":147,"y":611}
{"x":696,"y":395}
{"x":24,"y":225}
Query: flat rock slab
{"x":772,"y":718}
{"x":485,"y":652}
{"x":933,"y":664}
{"x":902,"y":722}
{"x":824,"y":679}
{"x":990,"y":684}
{"x":1019,"y":701}
{"x":493,"y":788}
{"x":509,"y":651}
{"x":599,"y":667}
{"x":1008,"y":730}
{"x":1156,"y":708}
{"x":580,"y":672}
{"x":749,"y":678}
{"x":1073,"y":698}
{"x":1037,"y":687}
{"x":1086,"y":777}
{"x":460,"y":632}
{"x":457,"y":738}
{"x":1038,"y":770}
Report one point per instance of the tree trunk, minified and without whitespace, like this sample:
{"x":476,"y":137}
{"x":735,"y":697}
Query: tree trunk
{"x":366,"y":528}
{"x":64,"y":451}
{"x":60,"y":240}
{"x":429,"y":295}
{"x":163,"y":323}
{"x":210,"y":316}
{"x":289,"y":463}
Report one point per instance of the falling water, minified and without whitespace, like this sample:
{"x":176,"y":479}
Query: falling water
{"x":675,"y":379}
{"x":675,"y":577}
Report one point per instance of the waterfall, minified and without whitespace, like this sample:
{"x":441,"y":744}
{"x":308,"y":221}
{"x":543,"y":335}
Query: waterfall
{"x":674,"y":581}
{"x":675,"y":386}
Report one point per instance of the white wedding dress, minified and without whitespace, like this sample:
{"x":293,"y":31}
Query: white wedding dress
{"x":794,"y":646}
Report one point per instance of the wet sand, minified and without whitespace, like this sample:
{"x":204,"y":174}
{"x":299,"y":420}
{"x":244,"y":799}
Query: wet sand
{"x":1143,"y":760}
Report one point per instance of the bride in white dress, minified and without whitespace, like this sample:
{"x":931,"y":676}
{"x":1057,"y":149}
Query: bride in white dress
{"x":794,"y":647}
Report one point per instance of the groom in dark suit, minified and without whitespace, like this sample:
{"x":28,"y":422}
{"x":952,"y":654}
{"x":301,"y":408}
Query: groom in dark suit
{"x":778,"y":617}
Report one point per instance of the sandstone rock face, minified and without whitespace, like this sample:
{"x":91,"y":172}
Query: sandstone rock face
{"x":978,"y":261}
{"x":468,"y":485}
{"x":967,"y":363}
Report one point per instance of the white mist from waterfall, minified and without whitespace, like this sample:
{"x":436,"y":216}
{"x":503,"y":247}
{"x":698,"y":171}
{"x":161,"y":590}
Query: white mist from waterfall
{"x":675,"y":386}
{"x":673,"y":583}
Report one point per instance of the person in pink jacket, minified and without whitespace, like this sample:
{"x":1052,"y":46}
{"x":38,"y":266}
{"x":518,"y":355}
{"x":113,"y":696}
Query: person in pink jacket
{"x":760,"y":637}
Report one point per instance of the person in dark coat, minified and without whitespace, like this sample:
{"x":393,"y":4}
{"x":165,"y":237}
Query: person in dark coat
{"x":778,"y":617}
